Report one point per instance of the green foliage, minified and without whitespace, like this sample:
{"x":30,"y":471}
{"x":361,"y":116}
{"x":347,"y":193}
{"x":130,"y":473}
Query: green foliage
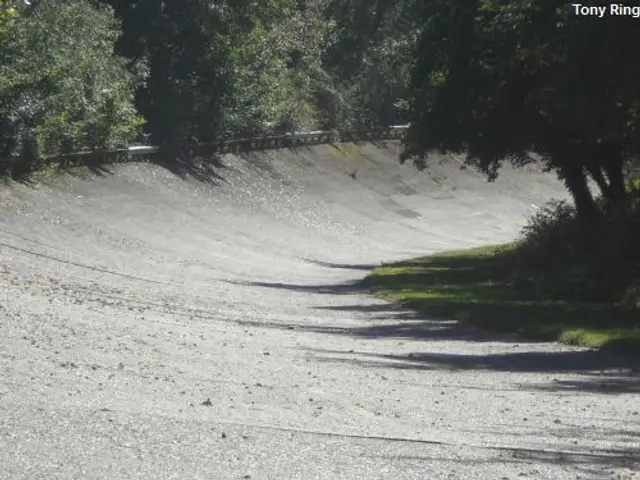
{"x":187,"y":46}
{"x":563,"y":258}
{"x":476,"y":286}
{"x":61,"y":87}
{"x":7,"y":12}
{"x":633,"y":184}
{"x":197,"y":71}
{"x":276,"y":72}
{"x":500,"y":80}
{"x":371,"y":60}
{"x":231,"y":68}
{"x":383,"y":80}
{"x":496,"y":81}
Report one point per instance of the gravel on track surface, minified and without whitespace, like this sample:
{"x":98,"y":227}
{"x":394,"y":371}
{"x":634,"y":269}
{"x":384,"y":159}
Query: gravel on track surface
{"x":212,"y":326}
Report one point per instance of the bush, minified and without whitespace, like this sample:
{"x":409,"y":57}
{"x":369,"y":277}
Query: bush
{"x":560,"y":258}
{"x":61,"y":86}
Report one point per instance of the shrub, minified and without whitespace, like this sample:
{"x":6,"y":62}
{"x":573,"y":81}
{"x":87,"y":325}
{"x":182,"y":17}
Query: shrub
{"x":560,"y":258}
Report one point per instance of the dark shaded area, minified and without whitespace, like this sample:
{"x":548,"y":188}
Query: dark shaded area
{"x":22,"y":177}
{"x":98,"y":164}
{"x":346,"y":288}
{"x":380,"y":143}
{"x":444,"y":114}
{"x":611,"y":457}
{"x":471,"y":267}
{"x":523,"y":362}
{"x":97,"y":169}
{"x":481,"y":289}
{"x":410,"y":325}
{"x":22,"y":171}
{"x":343,"y":266}
{"x":587,"y":461}
{"x":614,"y":386}
{"x":203,"y":169}
{"x":472,"y":305}
{"x":468,"y":318}
{"x":606,"y":372}
{"x":386,"y":309}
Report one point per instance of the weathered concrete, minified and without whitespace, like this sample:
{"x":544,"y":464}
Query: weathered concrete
{"x":154,"y":327}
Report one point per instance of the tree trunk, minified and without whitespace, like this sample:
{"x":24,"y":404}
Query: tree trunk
{"x":605,"y":165}
{"x":613,"y":167}
{"x":576,"y":181}
{"x":597,"y":174}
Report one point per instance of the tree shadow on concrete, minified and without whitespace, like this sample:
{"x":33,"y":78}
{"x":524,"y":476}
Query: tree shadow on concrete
{"x":90,"y":168}
{"x":394,"y":321}
{"x":400,"y":324}
{"x":606,"y":373}
{"x":441,"y":321}
{"x":31,"y":174}
{"x":205,"y":169}
{"x":342,"y":266}
{"x":449,"y":320}
{"x":383,"y":308}
{"x":479,"y":288}
{"x":465,"y":299}
{"x":345,"y":288}
{"x":23,"y":179}
{"x":588,"y":462}
{"x":98,"y":166}
{"x":605,"y":384}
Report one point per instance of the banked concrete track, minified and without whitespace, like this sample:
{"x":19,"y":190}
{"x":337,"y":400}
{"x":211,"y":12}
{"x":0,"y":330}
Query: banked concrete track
{"x":154,"y":327}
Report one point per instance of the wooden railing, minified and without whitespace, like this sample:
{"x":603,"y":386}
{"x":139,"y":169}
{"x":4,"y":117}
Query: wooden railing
{"x":289,"y":140}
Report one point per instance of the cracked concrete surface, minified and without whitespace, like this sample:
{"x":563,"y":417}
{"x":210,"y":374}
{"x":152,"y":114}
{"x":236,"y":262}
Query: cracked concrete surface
{"x":159,"y":327}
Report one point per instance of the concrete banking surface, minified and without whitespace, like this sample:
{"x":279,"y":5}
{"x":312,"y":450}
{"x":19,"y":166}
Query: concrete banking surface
{"x":154,"y":326}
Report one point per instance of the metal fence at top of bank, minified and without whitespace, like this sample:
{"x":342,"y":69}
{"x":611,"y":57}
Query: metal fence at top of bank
{"x":240,"y":145}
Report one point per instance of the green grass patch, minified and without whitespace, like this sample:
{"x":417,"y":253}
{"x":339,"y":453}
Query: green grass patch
{"x":477,"y":286}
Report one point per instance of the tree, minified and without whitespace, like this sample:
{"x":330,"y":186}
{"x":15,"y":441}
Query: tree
{"x":184,"y":45}
{"x":7,"y":12}
{"x":277,"y":72}
{"x":216,"y":68}
{"x":233,"y":68}
{"x":61,"y":87}
{"x":371,"y":58}
{"x":510,"y":80}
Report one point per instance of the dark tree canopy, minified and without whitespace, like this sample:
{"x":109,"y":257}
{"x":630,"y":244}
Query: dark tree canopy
{"x":372,"y":56}
{"x":500,"y":80}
